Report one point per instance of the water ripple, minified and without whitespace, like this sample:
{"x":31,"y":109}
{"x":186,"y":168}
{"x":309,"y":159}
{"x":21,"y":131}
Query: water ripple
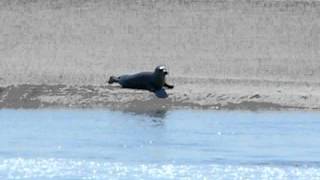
{"x":20,"y":168}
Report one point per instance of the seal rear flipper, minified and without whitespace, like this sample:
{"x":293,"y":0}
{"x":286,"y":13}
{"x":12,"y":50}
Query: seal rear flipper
{"x":161,"y":93}
{"x":112,"y":79}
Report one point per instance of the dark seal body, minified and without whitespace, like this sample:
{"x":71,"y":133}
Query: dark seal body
{"x":144,"y":80}
{"x":152,"y":81}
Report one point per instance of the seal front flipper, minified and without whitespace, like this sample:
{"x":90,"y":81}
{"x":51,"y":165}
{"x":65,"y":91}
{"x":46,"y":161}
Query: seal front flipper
{"x":168,"y":86}
{"x":161,"y":93}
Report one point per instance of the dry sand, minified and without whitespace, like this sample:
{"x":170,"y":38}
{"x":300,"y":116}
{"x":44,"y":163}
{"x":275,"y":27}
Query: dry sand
{"x":245,"y":54}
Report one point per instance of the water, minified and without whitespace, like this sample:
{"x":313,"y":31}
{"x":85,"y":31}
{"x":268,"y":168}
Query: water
{"x":100,"y":144}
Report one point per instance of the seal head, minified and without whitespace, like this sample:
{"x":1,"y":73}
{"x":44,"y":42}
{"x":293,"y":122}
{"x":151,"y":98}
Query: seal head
{"x":159,"y":76}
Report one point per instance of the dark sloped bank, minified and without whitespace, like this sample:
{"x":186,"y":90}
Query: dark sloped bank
{"x":115,"y":98}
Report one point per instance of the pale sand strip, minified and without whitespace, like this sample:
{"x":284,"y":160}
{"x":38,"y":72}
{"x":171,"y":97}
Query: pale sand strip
{"x":218,"y":94}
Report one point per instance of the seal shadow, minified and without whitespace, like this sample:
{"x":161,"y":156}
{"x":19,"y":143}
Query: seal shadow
{"x":154,"y":117}
{"x":156,"y":113}
{"x":157,"y":117}
{"x":160,"y":113}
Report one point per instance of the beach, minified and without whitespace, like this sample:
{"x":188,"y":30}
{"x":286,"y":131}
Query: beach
{"x":245,"y":102}
{"x":247,"y":55}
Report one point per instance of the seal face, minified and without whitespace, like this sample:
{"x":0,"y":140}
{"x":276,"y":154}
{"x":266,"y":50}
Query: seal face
{"x":152,"y":81}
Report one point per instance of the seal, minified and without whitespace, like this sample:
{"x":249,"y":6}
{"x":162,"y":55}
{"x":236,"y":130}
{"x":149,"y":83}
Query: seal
{"x":151,"y":81}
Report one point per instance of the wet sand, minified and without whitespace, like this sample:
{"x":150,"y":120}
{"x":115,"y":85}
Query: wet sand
{"x":221,"y":54}
{"x":218,"y":94}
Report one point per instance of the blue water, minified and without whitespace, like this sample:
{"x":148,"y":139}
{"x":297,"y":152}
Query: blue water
{"x":101,"y":144}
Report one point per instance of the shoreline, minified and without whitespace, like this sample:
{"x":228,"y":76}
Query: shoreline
{"x":223,"y":96}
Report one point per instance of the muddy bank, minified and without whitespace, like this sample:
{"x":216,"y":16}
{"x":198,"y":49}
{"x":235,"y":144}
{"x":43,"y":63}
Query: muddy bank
{"x":220,"y":96}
